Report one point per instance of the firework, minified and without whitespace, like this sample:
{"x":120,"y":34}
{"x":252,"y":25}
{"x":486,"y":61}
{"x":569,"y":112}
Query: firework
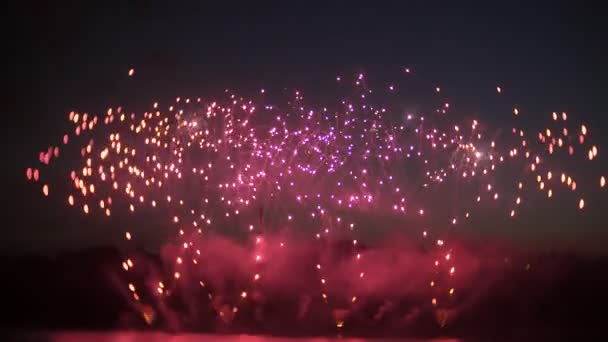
{"x":256,"y":166}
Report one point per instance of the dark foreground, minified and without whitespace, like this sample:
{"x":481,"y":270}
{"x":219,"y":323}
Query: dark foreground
{"x":161,"y":337}
{"x":560,"y":297}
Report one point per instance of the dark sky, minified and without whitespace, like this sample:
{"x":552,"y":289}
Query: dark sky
{"x":74,"y":55}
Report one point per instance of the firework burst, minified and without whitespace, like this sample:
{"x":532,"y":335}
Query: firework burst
{"x":256,"y":167}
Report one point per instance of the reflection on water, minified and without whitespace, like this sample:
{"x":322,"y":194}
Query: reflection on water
{"x":159,"y":336}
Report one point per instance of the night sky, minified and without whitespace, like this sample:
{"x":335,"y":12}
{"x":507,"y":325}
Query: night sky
{"x":75,"y":56}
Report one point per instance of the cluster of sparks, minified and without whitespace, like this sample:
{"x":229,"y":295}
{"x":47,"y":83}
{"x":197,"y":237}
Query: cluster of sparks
{"x":252,"y":166}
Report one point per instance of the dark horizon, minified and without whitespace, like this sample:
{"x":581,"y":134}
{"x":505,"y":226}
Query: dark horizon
{"x":548,"y":297}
